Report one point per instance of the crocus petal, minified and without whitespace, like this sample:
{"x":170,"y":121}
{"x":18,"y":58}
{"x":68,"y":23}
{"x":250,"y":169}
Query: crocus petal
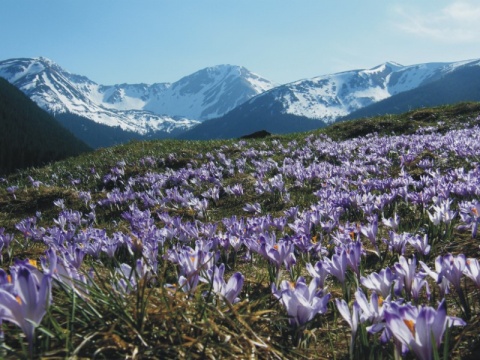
{"x":439,"y":322}
{"x":399,"y":328}
{"x":234,"y":286}
{"x":10,"y":308}
{"x":344,"y":310}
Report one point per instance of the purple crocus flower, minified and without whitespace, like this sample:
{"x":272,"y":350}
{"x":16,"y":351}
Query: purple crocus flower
{"x":372,"y":310}
{"x":418,"y":283}
{"x":63,"y":272}
{"x":472,"y":270}
{"x":129,"y":278}
{"x":109,"y":246}
{"x":406,"y":271}
{"x":11,"y":190}
{"x":420,"y":329}
{"x":470,"y":214}
{"x":29,"y":229}
{"x":26,"y":305}
{"x":453,"y":268}
{"x":397,"y":242}
{"x":35,"y":183}
{"x":193,"y":261}
{"x":371,"y":231}
{"x":281,"y":252}
{"x":318,"y":271}
{"x":235,"y":190}
{"x":5,"y":241}
{"x":252,"y":208}
{"x":392,"y":222}
{"x":441,"y":281}
{"x":442,"y":213}
{"x":213,"y":193}
{"x":354,"y":256}
{"x":302,"y":302}
{"x":188,"y":284}
{"x":229,"y":290}
{"x":85,"y":196}
{"x":420,"y":244}
{"x":277,"y":183}
{"x":380,"y":282}
{"x":337,"y":266}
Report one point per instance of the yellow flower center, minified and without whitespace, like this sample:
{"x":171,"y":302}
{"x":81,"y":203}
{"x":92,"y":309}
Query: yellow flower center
{"x":411,"y":326}
{"x":32,"y":262}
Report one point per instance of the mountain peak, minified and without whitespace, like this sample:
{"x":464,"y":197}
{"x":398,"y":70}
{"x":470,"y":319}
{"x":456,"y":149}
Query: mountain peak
{"x":40,"y":63}
{"x":389,"y":66}
{"x":224,"y":67}
{"x":393,"y":64}
{"x":211,"y":92}
{"x":213,"y":73}
{"x":45,"y":61}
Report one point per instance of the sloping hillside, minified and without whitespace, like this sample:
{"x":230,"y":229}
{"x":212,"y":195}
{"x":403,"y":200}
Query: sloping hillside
{"x":29,"y":136}
{"x":288,"y":247}
{"x":240,"y":122}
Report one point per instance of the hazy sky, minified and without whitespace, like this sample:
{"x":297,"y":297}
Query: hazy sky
{"x":132,"y":41}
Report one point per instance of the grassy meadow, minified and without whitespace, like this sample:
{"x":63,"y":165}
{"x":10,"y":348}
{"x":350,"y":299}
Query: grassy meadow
{"x":355,"y":241}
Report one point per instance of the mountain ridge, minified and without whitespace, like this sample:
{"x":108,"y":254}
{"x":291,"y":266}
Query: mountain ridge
{"x":329,"y":97}
{"x":224,"y":91}
{"x":143,"y":108}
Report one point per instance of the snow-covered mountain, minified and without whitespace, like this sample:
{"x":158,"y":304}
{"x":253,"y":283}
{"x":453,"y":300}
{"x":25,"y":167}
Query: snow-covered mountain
{"x":313,"y":103}
{"x":142,"y":108}
{"x":330,"y":97}
{"x":227,"y":92}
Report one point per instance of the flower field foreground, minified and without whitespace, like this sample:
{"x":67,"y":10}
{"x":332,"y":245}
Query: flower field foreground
{"x":318,"y":245}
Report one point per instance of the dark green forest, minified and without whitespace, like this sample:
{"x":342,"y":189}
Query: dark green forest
{"x":29,"y":136}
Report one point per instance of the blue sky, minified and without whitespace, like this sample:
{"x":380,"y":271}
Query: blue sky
{"x":132,"y":41}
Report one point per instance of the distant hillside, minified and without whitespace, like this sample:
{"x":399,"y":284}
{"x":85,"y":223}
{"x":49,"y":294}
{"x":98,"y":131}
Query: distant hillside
{"x":29,"y":136}
{"x":239,"y":122}
{"x":461,"y":85}
{"x":100,"y":136}
{"x":94,"y":134}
